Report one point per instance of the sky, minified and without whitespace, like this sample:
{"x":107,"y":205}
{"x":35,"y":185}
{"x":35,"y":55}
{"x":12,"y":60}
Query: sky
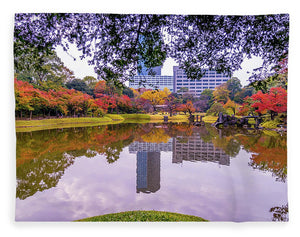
{"x":82,"y":69}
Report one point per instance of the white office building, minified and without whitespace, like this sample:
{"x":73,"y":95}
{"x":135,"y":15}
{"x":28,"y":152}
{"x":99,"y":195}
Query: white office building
{"x":210,"y":80}
{"x":152,"y":82}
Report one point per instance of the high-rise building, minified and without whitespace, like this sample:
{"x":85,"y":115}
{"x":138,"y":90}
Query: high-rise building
{"x":156,"y":71}
{"x":147,"y":172}
{"x":152,"y":82}
{"x":210,"y":80}
{"x":136,"y":146}
{"x":148,"y":164}
{"x":195,"y":149}
{"x":151,"y":79}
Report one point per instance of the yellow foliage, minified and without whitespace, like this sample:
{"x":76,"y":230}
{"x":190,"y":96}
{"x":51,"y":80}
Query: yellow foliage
{"x":156,"y":97}
{"x":156,"y":136}
{"x":221,"y":93}
{"x":231,"y":105}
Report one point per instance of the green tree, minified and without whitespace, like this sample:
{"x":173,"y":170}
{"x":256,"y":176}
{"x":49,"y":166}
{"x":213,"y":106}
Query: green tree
{"x":44,"y":69}
{"x":90,"y":81}
{"x":272,"y":81}
{"x":246,"y":91}
{"x":79,"y":85}
{"x":215,"y":109}
{"x":121,"y":41}
{"x":207,"y":94}
{"x":234,"y":86}
{"x":221,"y":93}
{"x":127,"y":91}
{"x":231,"y":105}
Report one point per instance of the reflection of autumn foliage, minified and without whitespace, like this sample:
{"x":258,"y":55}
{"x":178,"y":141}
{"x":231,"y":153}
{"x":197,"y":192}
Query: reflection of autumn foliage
{"x":223,"y":139}
{"x":35,"y":145}
{"x":228,"y":144}
{"x":43,"y":156}
{"x":269,"y":153}
{"x":280,"y":213}
{"x":156,"y":135}
{"x":180,"y":130}
{"x":41,"y":174}
{"x":162,"y":133}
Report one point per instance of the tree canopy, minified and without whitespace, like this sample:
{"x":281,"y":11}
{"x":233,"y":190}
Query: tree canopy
{"x":116,"y":44}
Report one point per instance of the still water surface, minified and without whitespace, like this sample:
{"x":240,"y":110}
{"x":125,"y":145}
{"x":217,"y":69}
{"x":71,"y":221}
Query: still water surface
{"x":219,"y":175}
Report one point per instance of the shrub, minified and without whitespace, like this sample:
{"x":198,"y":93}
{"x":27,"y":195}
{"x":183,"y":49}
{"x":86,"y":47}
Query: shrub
{"x":215,"y":109}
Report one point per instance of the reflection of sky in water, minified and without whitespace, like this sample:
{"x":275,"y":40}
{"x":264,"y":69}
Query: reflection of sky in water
{"x":215,"y":192}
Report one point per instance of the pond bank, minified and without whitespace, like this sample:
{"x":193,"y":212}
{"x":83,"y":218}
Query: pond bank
{"x":144,"y":216}
{"x":43,"y":124}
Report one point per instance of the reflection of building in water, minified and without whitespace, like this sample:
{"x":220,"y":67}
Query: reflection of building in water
{"x":148,"y":164}
{"x":147,"y":172}
{"x":193,"y":148}
{"x":147,"y":146}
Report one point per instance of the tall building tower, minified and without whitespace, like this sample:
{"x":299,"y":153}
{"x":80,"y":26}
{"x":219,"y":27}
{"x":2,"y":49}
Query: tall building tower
{"x":147,"y":172}
{"x":156,"y":71}
{"x":195,"y":149}
{"x":148,"y":80}
{"x":210,"y":80}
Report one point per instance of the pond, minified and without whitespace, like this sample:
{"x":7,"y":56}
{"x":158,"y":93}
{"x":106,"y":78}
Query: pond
{"x":219,"y":175}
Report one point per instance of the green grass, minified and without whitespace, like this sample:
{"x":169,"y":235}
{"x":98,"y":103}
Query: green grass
{"x":270,"y":124}
{"x":174,"y":118}
{"x":43,"y":124}
{"x":34,"y":125}
{"x":136,"y":116}
{"x":142,"y":216}
{"x":210,"y":119}
{"x":114,"y":116}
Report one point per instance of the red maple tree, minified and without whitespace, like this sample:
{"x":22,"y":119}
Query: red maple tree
{"x":275,"y":101}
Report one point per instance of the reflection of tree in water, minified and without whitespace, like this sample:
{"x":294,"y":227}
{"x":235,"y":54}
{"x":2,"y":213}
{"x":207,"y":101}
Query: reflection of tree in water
{"x":280,"y":174}
{"x":41,"y":174}
{"x":269,"y":153}
{"x":221,"y":138}
{"x":280,"y":213}
{"x":43,"y":156}
{"x":112,"y":151}
{"x":268,"y":147}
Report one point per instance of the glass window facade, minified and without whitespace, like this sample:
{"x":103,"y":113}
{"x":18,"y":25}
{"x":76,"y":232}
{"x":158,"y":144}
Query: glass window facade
{"x":152,"y":82}
{"x":210,"y":80}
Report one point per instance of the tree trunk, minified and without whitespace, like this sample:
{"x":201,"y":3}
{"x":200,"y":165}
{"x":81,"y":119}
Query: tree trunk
{"x":30,"y":116}
{"x":272,"y":115}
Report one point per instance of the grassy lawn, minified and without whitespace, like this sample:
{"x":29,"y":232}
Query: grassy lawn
{"x":114,"y":116}
{"x":210,"y":119}
{"x":42,"y":124}
{"x":136,"y":116}
{"x":272,"y":124}
{"x":144,"y":216}
{"x":174,"y":118}
{"x":34,"y":125}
